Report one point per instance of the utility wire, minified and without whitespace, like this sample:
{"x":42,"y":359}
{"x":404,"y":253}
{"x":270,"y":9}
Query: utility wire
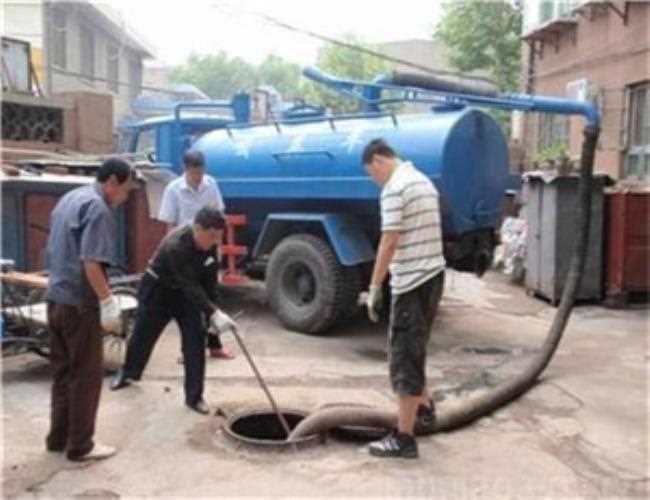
{"x":121,"y":83}
{"x":358,"y":48}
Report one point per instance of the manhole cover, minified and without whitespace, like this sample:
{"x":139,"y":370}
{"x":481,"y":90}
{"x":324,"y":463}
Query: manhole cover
{"x":262,"y":429}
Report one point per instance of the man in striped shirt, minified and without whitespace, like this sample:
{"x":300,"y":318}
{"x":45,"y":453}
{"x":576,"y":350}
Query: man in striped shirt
{"x":411,"y":249}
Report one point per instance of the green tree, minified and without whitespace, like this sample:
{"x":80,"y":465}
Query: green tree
{"x":346,"y":63}
{"x":484,"y":36}
{"x":218,"y":75}
{"x":283,"y":75}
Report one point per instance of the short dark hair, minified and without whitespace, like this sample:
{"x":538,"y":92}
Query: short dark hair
{"x":119,"y":167}
{"x":376,"y":147}
{"x":210,"y":217}
{"x":193,"y":158}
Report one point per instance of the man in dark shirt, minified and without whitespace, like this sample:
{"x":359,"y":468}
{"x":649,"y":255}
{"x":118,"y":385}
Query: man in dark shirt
{"x":80,"y":245}
{"x":179,"y":284}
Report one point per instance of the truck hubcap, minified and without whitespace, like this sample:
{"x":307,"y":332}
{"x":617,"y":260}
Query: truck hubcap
{"x":299,"y":284}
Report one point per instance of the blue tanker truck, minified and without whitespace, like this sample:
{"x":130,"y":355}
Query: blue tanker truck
{"x":313,"y":213}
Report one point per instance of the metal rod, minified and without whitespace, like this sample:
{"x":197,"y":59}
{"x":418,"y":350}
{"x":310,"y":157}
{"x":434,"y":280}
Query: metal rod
{"x":265,"y":388}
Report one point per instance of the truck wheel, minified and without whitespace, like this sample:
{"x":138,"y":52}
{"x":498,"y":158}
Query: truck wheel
{"x":353,"y":287}
{"x":308,"y":289}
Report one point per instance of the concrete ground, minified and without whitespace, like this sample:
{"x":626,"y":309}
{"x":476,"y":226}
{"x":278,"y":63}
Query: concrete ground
{"x":582,"y":432}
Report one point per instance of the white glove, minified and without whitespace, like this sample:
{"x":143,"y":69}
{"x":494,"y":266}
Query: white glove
{"x":221,"y":322}
{"x":374,"y":302}
{"x":227,"y":335}
{"x":110,"y":315}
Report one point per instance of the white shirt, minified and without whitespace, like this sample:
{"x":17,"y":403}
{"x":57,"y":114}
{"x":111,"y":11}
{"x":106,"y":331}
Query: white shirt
{"x":409,"y":205}
{"x":181,"y":202}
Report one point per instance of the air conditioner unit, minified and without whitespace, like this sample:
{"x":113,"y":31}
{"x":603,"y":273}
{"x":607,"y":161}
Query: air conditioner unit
{"x":581,"y":90}
{"x":578,"y":89}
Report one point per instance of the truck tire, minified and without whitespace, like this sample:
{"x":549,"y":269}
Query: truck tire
{"x":353,"y":287}
{"x":308,"y":289}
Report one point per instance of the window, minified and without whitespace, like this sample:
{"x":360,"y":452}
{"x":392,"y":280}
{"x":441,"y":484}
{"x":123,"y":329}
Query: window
{"x":553,"y":131}
{"x":638,"y":155}
{"x":58,"y":38}
{"x":546,"y":9}
{"x":87,"y":40}
{"x":564,"y":8}
{"x":552,"y":9}
{"x":146,"y":142}
{"x":113,"y":68}
{"x":135,"y":78}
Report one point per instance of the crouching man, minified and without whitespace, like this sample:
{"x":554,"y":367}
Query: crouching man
{"x":411,"y":248}
{"x":182,"y":198}
{"x":180,"y":284}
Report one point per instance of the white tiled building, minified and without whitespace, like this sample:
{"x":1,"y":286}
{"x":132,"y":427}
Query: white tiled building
{"x":80,"y":46}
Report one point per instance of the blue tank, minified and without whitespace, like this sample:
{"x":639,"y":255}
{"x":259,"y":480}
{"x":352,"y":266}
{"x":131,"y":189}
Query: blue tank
{"x":313,"y":212}
{"x":316,"y":166}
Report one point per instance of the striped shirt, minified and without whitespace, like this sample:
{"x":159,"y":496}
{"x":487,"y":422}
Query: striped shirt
{"x":409,"y":205}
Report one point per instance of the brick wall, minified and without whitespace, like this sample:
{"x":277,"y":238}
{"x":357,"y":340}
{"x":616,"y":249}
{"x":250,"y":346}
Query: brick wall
{"x":143,"y":233}
{"x":62,"y":82}
{"x":38,"y":208}
{"x":90,"y":123}
{"x":611,"y":56}
{"x":87,"y":122}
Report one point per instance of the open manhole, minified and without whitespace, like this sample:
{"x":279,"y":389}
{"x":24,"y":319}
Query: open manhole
{"x":262,"y":429}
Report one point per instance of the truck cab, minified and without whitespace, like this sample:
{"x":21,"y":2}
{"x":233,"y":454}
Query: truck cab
{"x":164,"y":139}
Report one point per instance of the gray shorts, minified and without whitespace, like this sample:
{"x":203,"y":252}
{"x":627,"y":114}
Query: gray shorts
{"x":411,"y":318}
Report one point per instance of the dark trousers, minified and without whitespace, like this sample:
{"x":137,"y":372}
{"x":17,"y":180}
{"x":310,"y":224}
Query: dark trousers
{"x":76,"y":355}
{"x":157,"y":306}
{"x":214,"y":342}
{"x":411,"y":319}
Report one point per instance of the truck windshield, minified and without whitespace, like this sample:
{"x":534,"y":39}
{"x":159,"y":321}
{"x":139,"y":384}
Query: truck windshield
{"x":146,"y":142}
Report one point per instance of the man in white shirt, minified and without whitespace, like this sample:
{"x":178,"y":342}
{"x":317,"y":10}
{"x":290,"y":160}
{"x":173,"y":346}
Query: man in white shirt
{"x":182,"y":199}
{"x":411,"y":249}
{"x":186,"y":195}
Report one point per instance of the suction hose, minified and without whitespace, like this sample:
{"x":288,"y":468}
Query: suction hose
{"x":456,"y":414}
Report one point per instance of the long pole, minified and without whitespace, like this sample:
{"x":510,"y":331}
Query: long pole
{"x":265,"y":388}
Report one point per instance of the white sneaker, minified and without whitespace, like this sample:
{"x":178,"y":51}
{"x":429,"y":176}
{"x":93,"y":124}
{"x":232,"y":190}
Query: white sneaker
{"x":99,"y":452}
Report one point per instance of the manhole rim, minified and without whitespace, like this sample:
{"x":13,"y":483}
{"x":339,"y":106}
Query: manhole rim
{"x":302,"y":442}
{"x":359,"y":433}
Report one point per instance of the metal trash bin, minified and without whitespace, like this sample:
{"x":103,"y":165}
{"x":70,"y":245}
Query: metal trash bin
{"x":551,"y":212}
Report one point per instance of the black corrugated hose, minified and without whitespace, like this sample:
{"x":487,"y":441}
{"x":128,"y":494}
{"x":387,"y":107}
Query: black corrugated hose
{"x":455,"y":414}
